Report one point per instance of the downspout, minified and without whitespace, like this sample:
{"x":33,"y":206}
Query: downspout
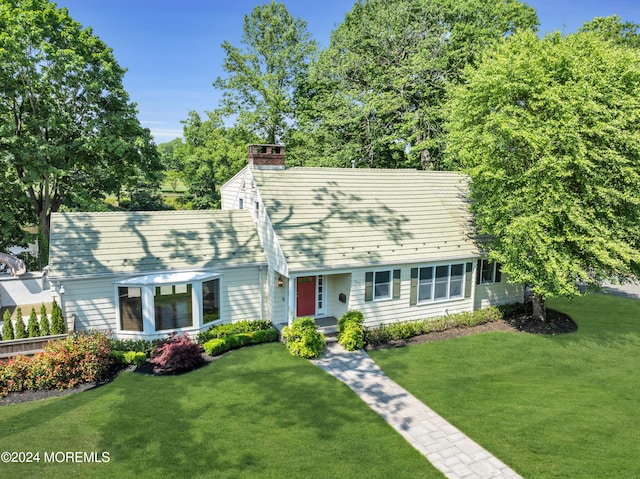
{"x":292,"y":298}
{"x":261,"y":293}
{"x":474,"y":275}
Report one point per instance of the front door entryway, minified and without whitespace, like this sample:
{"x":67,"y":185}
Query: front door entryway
{"x":306,"y":296}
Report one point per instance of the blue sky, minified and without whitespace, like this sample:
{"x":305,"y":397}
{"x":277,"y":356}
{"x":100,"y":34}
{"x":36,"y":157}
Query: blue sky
{"x":172,"y":51}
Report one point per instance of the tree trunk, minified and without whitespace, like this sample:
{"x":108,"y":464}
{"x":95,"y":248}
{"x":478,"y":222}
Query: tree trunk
{"x":539,"y":308}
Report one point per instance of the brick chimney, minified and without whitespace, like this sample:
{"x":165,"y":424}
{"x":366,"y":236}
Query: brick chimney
{"x":266,"y":157}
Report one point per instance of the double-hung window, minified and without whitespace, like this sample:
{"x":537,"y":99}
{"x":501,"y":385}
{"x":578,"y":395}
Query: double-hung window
{"x":488,"y":272}
{"x":438,"y":283}
{"x":382,"y":285}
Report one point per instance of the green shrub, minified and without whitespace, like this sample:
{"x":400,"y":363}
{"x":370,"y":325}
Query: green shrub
{"x":216,"y":346}
{"x":21,"y":330}
{"x":351,"y":337}
{"x":350,"y":329}
{"x":57,"y":321}
{"x":303,"y":338}
{"x":137,"y":358}
{"x":7,"y":327}
{"x":406,"y":330}
{"x":45,"y":329}
{"x":137,"y":345}
{"x":228,"y":329}
{"x":32,"y":326}
{"x":265,"y":336}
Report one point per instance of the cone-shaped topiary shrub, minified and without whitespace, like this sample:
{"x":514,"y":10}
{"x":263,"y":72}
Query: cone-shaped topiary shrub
{"x":32,"y":326}
{"x":45,"y":329}
{"x":21,"y":330}
{"x":57,"y":321}
{"x":7,"y":328}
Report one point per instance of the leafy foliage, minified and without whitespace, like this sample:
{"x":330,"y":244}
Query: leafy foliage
{"x":259,"y":90}
{"x":376,"y":94}
{"x":350,"y":330}
{"x":45,"y":328}
{"x":20,"y":329}
{"x":32,"y":326}
{"x":303,"y":338}
{"x":228,"y":329}
{"x":219,"y":345}
{"x":210,"y":156}
{"x":548,"y":131}
{"x":406,"y":330}
{"x":57,"y":321}
{"x":7,"y":326}
{"x":65,"y":363}
{"x":68,"y":132}
{"x":176,"y":354}
{"x":137,"y":358}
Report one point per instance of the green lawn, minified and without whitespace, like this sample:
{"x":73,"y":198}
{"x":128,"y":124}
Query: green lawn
{"x":550,"y":407}
{"x":256,"y":412}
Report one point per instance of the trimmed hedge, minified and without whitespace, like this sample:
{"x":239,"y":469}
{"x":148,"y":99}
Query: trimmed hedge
{"x":303,"y":338}
{"x":228,"y":329}
{"x":137,"y":358}
{"x":406,"y":330}
{"x":216,"y":346}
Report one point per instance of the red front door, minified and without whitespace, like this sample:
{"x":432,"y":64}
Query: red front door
{"x":306,"y":296}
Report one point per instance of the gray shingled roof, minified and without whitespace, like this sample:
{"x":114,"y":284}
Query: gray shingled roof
{"x":129,"y":242}
{"x":331,"y":218}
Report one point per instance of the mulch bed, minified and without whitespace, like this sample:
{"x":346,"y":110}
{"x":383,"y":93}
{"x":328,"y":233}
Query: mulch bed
{"x":557,"y":323}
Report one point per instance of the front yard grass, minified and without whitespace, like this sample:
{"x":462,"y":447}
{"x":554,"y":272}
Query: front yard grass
{"x":548,"y":406}
{"x":256,"y":412}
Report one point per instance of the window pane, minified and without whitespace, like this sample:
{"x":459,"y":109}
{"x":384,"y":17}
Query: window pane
{"x":440,"y":290}
{"x":442,"y":271}
{"x":426,"y":273}
{"x":455,"y":288}
{"x":424,"y":291}
{"x":457,"y":270}
{"x":383,"y":276}
{"x":210,"y":300}
{"x":382,"y":285}
{"x":130,"y":308}
{"x":172,"y":310}
{"x":382,"y":291}
{"x":487,"y":271}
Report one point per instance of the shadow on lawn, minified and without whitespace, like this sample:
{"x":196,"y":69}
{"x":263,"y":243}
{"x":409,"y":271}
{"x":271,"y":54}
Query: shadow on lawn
{"x":223,"y":416}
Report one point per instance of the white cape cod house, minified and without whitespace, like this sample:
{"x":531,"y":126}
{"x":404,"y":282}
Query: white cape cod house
{"x":397,"y":245}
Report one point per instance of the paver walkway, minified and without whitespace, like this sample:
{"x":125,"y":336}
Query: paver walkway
{"x":448,"y":449}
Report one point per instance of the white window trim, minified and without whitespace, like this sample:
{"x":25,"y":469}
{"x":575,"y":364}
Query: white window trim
{"x":432,"y":299}
{"x":389,"y":297}
{"x":494,"y":266}
{"x":147,"y":285}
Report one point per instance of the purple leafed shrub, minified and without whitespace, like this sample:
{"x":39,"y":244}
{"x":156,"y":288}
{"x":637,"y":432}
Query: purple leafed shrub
{"x":176,"y":354}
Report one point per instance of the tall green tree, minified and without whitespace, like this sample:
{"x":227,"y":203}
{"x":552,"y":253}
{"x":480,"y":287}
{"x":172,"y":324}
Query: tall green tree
{"x":211,"y":155}
{"x":68,"y":132}
{"x":549,"y":132}
{"x":375,"y":95}
{"x":615,"y":29}
{"x":259,"y":90}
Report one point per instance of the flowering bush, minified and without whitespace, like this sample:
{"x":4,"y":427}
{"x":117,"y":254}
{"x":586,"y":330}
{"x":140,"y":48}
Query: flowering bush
{"x":81,"y":358}
{"x":176,"y":354}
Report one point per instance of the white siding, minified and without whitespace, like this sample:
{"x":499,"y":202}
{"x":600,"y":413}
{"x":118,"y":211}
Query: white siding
{"x":278,"y":298}
{"x":92,"y":302}
{"x":398,"y":310}
{"x":338,"y":284}
{"x":231,"y":191}
{"x":498,"y":293}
